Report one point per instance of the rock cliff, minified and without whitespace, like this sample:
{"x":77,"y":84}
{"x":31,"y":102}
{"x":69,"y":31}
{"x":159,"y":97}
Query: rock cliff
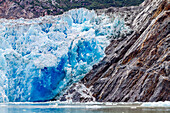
{"x":137,"y":67}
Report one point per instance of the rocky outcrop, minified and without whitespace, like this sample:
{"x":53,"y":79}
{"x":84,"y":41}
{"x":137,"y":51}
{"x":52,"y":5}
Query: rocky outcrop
{"x":136,"y":68}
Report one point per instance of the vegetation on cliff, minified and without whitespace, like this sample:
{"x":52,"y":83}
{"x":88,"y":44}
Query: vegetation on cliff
{"x":35,"y":8}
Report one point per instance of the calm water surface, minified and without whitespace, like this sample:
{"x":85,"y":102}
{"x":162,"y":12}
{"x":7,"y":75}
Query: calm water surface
{"x":79,"y":108}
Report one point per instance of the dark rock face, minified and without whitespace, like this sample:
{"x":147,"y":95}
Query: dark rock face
{"x":136,"y":68}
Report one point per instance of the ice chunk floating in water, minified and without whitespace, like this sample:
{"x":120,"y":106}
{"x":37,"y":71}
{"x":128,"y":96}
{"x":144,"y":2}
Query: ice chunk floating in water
{"x":156,"y":104}
{"x":41,"y":57}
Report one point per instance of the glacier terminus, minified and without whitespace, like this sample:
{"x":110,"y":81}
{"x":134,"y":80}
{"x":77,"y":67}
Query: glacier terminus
{"x":41,"y":57}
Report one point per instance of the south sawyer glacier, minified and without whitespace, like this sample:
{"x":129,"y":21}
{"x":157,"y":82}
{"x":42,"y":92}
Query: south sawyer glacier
{"x":41,"y":57}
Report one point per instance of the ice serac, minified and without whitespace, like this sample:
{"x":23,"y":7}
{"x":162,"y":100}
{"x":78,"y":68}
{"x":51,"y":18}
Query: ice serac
{"x":40,"y":57}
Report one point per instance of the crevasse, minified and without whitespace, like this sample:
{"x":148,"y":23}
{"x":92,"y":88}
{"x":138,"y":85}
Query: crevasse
{"x":40,"y":57}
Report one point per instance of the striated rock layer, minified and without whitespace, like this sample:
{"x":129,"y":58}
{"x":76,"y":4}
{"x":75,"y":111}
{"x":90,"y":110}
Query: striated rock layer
{"x":136,"y":68}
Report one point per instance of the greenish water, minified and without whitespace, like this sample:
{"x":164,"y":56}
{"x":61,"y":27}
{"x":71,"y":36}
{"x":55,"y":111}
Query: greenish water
{"x":54,"y":107}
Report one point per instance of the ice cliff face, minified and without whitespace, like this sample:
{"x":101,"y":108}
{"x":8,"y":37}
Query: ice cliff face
{"x":40,"y":57}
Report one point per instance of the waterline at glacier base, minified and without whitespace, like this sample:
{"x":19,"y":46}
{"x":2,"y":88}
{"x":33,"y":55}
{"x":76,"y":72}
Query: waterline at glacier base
{"x":92,"y":107}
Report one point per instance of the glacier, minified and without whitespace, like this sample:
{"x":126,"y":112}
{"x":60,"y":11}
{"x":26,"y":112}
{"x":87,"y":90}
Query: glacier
{"x":41,"y":57}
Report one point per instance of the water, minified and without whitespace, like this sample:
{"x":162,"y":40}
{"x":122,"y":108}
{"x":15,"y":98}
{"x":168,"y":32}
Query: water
{"x":55,"y":107}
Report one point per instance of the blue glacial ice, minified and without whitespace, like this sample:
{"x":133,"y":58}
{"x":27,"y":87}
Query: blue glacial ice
{"x":40,"y":57}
